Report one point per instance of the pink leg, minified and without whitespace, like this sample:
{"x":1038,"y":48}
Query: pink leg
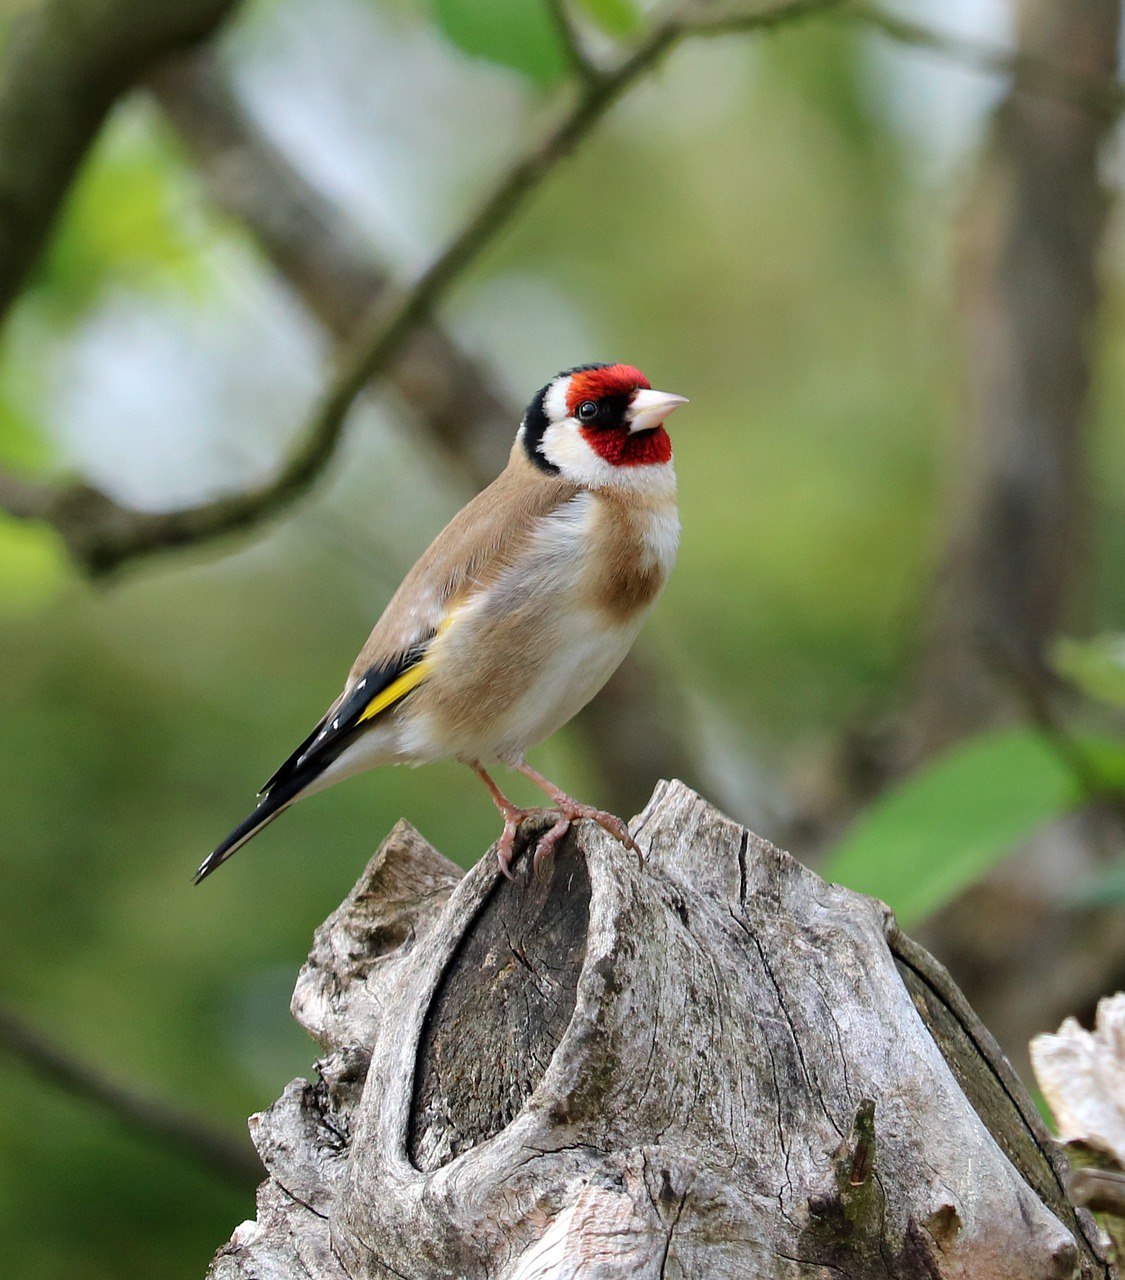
{"x":513,"y":816}
{"x":573,"y":810}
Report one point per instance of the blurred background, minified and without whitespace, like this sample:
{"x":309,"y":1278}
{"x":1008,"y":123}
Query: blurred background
{"x":881,"y":251}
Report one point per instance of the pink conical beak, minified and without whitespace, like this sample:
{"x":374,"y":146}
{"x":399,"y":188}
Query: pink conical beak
{"x":648,"y":409}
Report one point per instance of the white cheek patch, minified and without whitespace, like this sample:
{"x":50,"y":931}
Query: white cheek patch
{"x":554,"y":402}
{"x":564,"y":447}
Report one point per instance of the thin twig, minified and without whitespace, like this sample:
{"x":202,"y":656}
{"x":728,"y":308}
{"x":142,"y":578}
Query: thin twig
{"x":225,"y":1153}
{"x":63,"y":64}
{"x":576,"y":55}
{"x":113,"y":534}
{"x":320,"y":254}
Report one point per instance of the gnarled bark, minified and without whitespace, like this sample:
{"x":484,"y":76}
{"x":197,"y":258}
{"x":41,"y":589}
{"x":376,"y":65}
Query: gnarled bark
{"x":715,"y":1065}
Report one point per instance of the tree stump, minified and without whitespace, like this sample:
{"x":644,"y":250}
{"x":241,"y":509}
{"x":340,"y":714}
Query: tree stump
{"x":714,"y":1066}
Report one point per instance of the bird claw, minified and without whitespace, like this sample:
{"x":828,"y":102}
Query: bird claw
{"x":576,"y":810}
{"x":616,"y":828}
{"x":547,"y":843}
{"x":608,"y":822}
{"x":620,"y":832}
{"x":505,"y":850}
{"x":565,"y":811}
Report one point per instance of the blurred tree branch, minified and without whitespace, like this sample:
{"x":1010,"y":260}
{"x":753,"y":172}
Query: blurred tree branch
{"x":1030,"y":237}
{"x":580,"y":63}
{"x":394,"y":332}
{"x":229,"y":1154}
{"x":108,"y":45}
{"x":65,"y":63}
{"x":318,"y":251}
{"x":1030,"y":242}
{"x":103,"y":534}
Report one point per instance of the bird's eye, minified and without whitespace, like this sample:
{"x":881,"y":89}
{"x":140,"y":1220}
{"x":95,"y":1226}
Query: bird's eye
{"x":587,"y":411}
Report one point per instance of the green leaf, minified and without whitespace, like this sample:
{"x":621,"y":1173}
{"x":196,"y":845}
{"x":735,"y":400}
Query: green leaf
{"x":1096,"y":666}
{"x":520,"y":34}
{"x":615,"y":17}
{"x":926,"y":841}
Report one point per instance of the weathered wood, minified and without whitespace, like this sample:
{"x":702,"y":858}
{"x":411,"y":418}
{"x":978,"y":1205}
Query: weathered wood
{"x":500,"y":1010}
{"x":715,"y":1066}
{"x":1082,"y":1076}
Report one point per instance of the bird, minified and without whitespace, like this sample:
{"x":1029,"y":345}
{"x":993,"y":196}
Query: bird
{"x":516,"y":615}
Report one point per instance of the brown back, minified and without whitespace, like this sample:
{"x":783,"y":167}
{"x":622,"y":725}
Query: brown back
{"x":481,"y":540}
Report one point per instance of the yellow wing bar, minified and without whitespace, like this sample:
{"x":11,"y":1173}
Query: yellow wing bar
{"x":411,"y":678}
{"x":397,"y":689}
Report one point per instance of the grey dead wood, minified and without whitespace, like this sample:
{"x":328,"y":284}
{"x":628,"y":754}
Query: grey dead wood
{"x":712,"y":1066}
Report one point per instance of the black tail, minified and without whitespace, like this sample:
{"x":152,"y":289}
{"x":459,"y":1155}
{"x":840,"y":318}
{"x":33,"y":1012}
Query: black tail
{"x":275,"y":801}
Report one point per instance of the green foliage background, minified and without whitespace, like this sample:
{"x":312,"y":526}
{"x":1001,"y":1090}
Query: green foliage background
{"x":755,"y":228}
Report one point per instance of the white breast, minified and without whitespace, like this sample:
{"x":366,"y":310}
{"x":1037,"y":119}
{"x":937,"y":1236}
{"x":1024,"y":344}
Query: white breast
{"x":662,"y":536}
{"x":585,"y":647}
{"x":586,"y":654}
{"x":564,"y":648}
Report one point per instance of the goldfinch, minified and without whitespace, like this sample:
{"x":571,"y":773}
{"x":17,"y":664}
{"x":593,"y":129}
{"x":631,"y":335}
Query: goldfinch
{"x":517,"y":614}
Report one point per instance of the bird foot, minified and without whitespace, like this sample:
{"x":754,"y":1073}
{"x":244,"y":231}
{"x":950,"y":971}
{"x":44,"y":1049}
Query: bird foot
{"x":575,"y":810}
{"x":505,"y":850}
{"x":611,"y":823}
{"x":565,"y":811}
{"x":547,"y":843}
{"x":614,"y":825}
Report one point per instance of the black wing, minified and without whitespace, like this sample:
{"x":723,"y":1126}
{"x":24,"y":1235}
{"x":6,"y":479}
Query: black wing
{"x":348,"y":717}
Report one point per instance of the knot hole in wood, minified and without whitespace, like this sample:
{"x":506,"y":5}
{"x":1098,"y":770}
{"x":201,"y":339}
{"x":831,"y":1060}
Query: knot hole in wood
{"x":500,"y":1008}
